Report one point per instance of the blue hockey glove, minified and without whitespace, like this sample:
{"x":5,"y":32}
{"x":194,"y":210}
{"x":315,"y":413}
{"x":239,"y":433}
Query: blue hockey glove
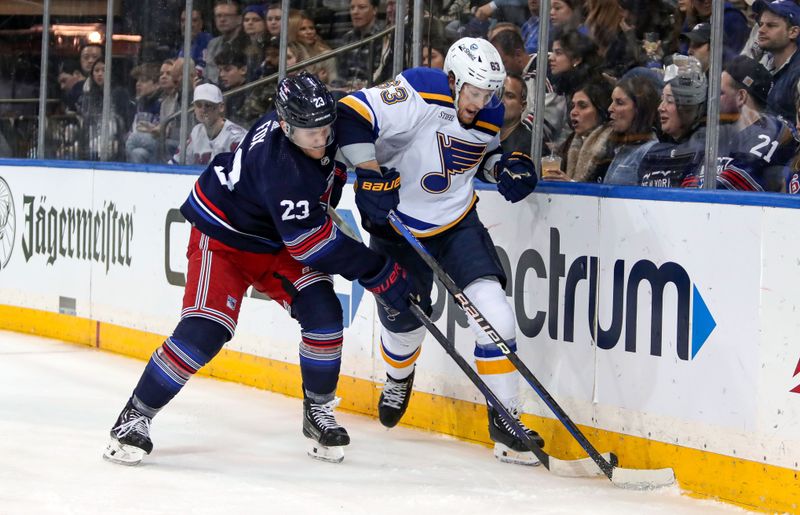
{"x":516,"y":176}
{"x":377,"y":193}
{"x":390,"y":287}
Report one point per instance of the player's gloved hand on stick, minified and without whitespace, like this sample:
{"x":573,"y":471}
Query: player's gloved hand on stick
{"x":390,"y":286}
{"x":377,"y":193}
{"x":516,"y":176}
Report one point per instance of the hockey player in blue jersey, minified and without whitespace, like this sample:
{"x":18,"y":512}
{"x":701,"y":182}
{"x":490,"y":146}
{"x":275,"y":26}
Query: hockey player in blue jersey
{"x":259,"y":217}
{"x":416,"y":143}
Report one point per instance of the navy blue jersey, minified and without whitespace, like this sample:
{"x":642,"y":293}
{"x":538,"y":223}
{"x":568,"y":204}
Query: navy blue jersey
{"x":268,"y":194}
{"x":666,"y":164}
{"x":755,"y":158}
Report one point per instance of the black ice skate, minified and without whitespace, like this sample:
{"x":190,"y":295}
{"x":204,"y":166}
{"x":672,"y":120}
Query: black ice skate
{"x":130,"y":437}
{"x":508,"y":447}
{"x":329,"y":438}
{"x":394,"y":399}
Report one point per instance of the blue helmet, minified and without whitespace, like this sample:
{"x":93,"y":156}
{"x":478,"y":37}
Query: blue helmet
{"x":304,"y":102}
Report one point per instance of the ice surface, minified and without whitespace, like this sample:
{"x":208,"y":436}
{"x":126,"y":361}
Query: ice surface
{"x":226,"y":448}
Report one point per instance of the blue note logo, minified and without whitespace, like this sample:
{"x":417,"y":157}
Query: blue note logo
{"x":8,"y":223}
{"x":456,"y":156}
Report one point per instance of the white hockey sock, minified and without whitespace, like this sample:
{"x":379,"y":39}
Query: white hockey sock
{"x":494,"y":368}
{"x":400,"y":351}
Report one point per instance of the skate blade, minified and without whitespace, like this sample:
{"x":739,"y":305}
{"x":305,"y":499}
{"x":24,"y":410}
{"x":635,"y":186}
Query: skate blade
{"x":123,"y":454}
{"x":506,"y":455}
{"x":327,"y":454}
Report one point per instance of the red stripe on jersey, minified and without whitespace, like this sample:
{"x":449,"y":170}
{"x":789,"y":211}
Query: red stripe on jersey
{"x":310,"y":242}
{"x":208,"y":203}
{"x":737,"y":180}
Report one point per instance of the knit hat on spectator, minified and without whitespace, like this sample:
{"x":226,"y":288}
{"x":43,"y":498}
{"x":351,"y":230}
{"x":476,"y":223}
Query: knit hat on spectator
{"x":699,"y":35}
{"x":258,"y":9}
{"x":786,"y":9}
{"x":208,"y":93}
{"x":687,"y":80}
{"x":757,"y":81}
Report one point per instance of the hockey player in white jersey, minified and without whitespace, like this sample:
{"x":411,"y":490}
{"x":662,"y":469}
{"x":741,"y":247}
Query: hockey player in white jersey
{"x":214,"y":134}
{"x":416,"y":143}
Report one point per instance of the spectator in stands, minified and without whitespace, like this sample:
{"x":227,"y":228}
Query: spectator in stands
{"x":199,"y":41}
{"x":354,"y":66}
{"x":228,"y":21}
{"x":254,"y":25}
{"x":273,"y":19}
{"x":589,"y":149}
{"x":91,"y":110}
{"x":616,"y":47}
{"x":632,"y":114}
{"x":510,"y":11}
{"x":698,"y":40}
{"x":90,"y":54}
{"x":232,"y":66}
{"x":793,"y":177}
{"x":734,"y":24}
{"x":530,"y":29}
{"x":142,"y":145}
{"x":213,"y":134}
{"x":70,"y":80}
{"x":681,"y":151}
{"x":778,"y":31}
{"x":761,"y":145}
{"x":573,"y":62}
{"x":303,"y":31}
{"x":650,"y":19}
{"x":434,"y":53}
{"x":510,"y":46}
{"x":169,"y":84}
{"x":515,"y":136}
{"x":566,"y":15}
{"x":261,"y":99}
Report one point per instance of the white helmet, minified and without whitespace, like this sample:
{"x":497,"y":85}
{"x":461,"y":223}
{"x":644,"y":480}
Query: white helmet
{"x":475,"y":61}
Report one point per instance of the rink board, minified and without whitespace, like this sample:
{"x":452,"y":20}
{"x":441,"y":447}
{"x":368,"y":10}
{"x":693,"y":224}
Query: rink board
{"x":707,"y":383}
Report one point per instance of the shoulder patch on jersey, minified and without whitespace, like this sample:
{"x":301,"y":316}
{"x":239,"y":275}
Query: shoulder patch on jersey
{"x":490,"y":120}
{"x":431,"y":84}
{"x":358,"y":102}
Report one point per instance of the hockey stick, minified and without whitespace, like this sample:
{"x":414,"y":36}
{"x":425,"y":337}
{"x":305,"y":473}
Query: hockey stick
{"x":622,"y":477}
{"x":568,"y":468}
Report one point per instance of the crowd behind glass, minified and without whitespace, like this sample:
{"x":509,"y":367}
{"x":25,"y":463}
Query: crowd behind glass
{"x":626,"y":87}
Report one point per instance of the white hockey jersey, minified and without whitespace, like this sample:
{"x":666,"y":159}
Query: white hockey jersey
{"x":413,"y":124}
{"x":200,"y":150}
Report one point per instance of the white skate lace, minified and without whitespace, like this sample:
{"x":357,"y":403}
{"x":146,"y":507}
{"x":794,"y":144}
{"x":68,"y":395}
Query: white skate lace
{"x":514,"y":411}
{"x":323,"y":414}
{"x":394,"y":393}
{"x":139,"y":423}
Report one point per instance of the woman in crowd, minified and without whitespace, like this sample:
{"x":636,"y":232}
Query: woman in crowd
{"x":573,"y":62}
{"x":616,"y":47}
{"x":650,"y":21}
{"x":91,"y":110}
{"x":589,"y":149}
{"x":682,"y":111}
{"x":303,"y":31}
{"x":566,"y":15}
{"x":255,"y":26}
{"x":433,"y":53}
{"x":632,"y":113}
